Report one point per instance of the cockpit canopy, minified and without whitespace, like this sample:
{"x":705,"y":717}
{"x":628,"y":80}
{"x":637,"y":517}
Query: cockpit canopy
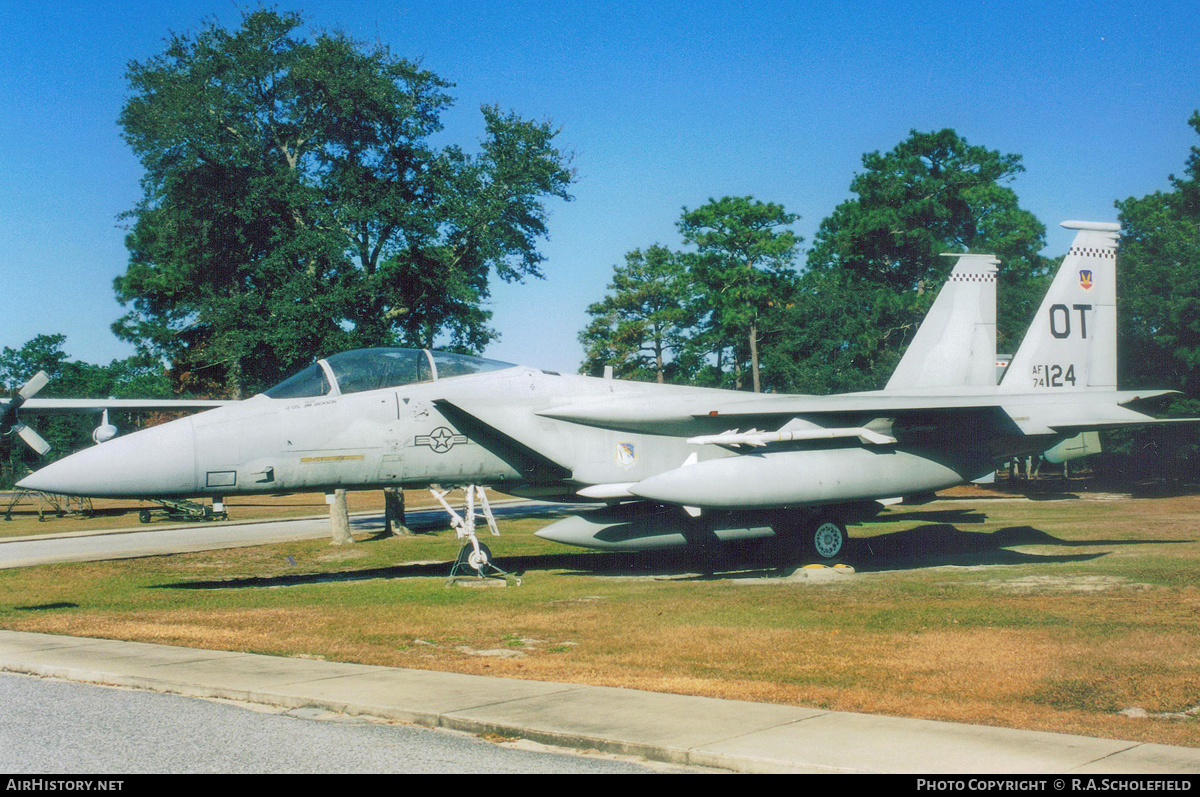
{"x":372,"y":369}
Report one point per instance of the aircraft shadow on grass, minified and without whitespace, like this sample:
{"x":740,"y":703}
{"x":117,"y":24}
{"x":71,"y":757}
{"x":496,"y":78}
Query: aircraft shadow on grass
{"x":940,"y":544}
{"x":922,"y":547}
{"x":955,"y":516}
{"x":432,"y":520}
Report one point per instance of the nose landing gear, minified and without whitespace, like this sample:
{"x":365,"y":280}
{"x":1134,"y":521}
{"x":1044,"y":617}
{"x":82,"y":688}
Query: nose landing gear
{"x":474,"y":559}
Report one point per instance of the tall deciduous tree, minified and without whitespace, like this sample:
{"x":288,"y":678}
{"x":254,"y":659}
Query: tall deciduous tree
{"x":294,"y":204}
{"x":875,"y":268}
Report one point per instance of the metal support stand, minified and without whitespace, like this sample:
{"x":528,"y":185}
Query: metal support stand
{"x":59,"y":505}
{"x":474,"y":558}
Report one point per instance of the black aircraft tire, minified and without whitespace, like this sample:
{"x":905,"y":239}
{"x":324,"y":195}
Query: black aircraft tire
{"x":826,"y":537}
{"x":144,"y":516}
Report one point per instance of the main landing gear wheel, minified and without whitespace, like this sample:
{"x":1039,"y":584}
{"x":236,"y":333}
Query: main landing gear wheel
{"x":827,"y":537}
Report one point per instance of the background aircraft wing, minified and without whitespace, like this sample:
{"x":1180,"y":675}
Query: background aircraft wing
{"x":23,"y":400}
{"x":52,"y":405}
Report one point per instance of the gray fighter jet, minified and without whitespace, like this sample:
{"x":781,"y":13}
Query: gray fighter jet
{"x":673,"y":465}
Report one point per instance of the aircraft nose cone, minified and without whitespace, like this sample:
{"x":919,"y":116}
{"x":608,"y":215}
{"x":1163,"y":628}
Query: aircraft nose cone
{"x":160,"y":461}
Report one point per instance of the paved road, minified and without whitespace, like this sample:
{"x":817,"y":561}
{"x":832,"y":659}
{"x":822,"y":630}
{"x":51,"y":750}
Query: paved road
{"x":680,"y":729}
{"x":56,"y":727}
{"x":126,"y":543}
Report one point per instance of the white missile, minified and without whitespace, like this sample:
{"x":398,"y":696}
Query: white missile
{"x":758,"y":439}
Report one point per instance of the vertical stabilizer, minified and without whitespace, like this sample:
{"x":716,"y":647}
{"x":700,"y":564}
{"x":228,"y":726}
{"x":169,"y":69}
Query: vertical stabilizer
{"x":956,"y":343}
{"x":1072,"y":343}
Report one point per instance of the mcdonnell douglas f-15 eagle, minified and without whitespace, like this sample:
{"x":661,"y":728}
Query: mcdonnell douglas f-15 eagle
{"x":673,"y":464}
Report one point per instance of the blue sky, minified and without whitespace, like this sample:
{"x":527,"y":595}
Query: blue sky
{"x":664,"y":105}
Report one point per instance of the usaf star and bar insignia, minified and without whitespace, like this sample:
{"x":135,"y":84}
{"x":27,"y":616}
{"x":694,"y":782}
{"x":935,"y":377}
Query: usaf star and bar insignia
{"x":440,"y":440}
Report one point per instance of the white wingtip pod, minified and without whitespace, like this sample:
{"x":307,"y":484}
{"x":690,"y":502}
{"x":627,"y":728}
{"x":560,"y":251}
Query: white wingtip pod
{"x":1072,"y":343}
{"x":1095,"y":226}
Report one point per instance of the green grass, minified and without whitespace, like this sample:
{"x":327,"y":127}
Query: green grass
{"x":1052,"y":615}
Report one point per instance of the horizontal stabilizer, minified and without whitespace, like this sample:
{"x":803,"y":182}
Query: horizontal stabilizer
{"x":1144,"y":420}
{"x":1079,"y":416}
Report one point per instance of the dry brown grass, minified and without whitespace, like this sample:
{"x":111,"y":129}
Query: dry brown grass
{"x":1052,"y":616}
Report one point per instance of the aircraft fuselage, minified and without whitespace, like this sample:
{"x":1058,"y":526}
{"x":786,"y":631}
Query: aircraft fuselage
{"x":486,"y":429}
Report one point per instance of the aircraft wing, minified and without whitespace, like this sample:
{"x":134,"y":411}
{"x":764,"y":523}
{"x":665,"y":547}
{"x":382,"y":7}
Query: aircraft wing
{"x":683,"y":414}
{"x":52,"y":405}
